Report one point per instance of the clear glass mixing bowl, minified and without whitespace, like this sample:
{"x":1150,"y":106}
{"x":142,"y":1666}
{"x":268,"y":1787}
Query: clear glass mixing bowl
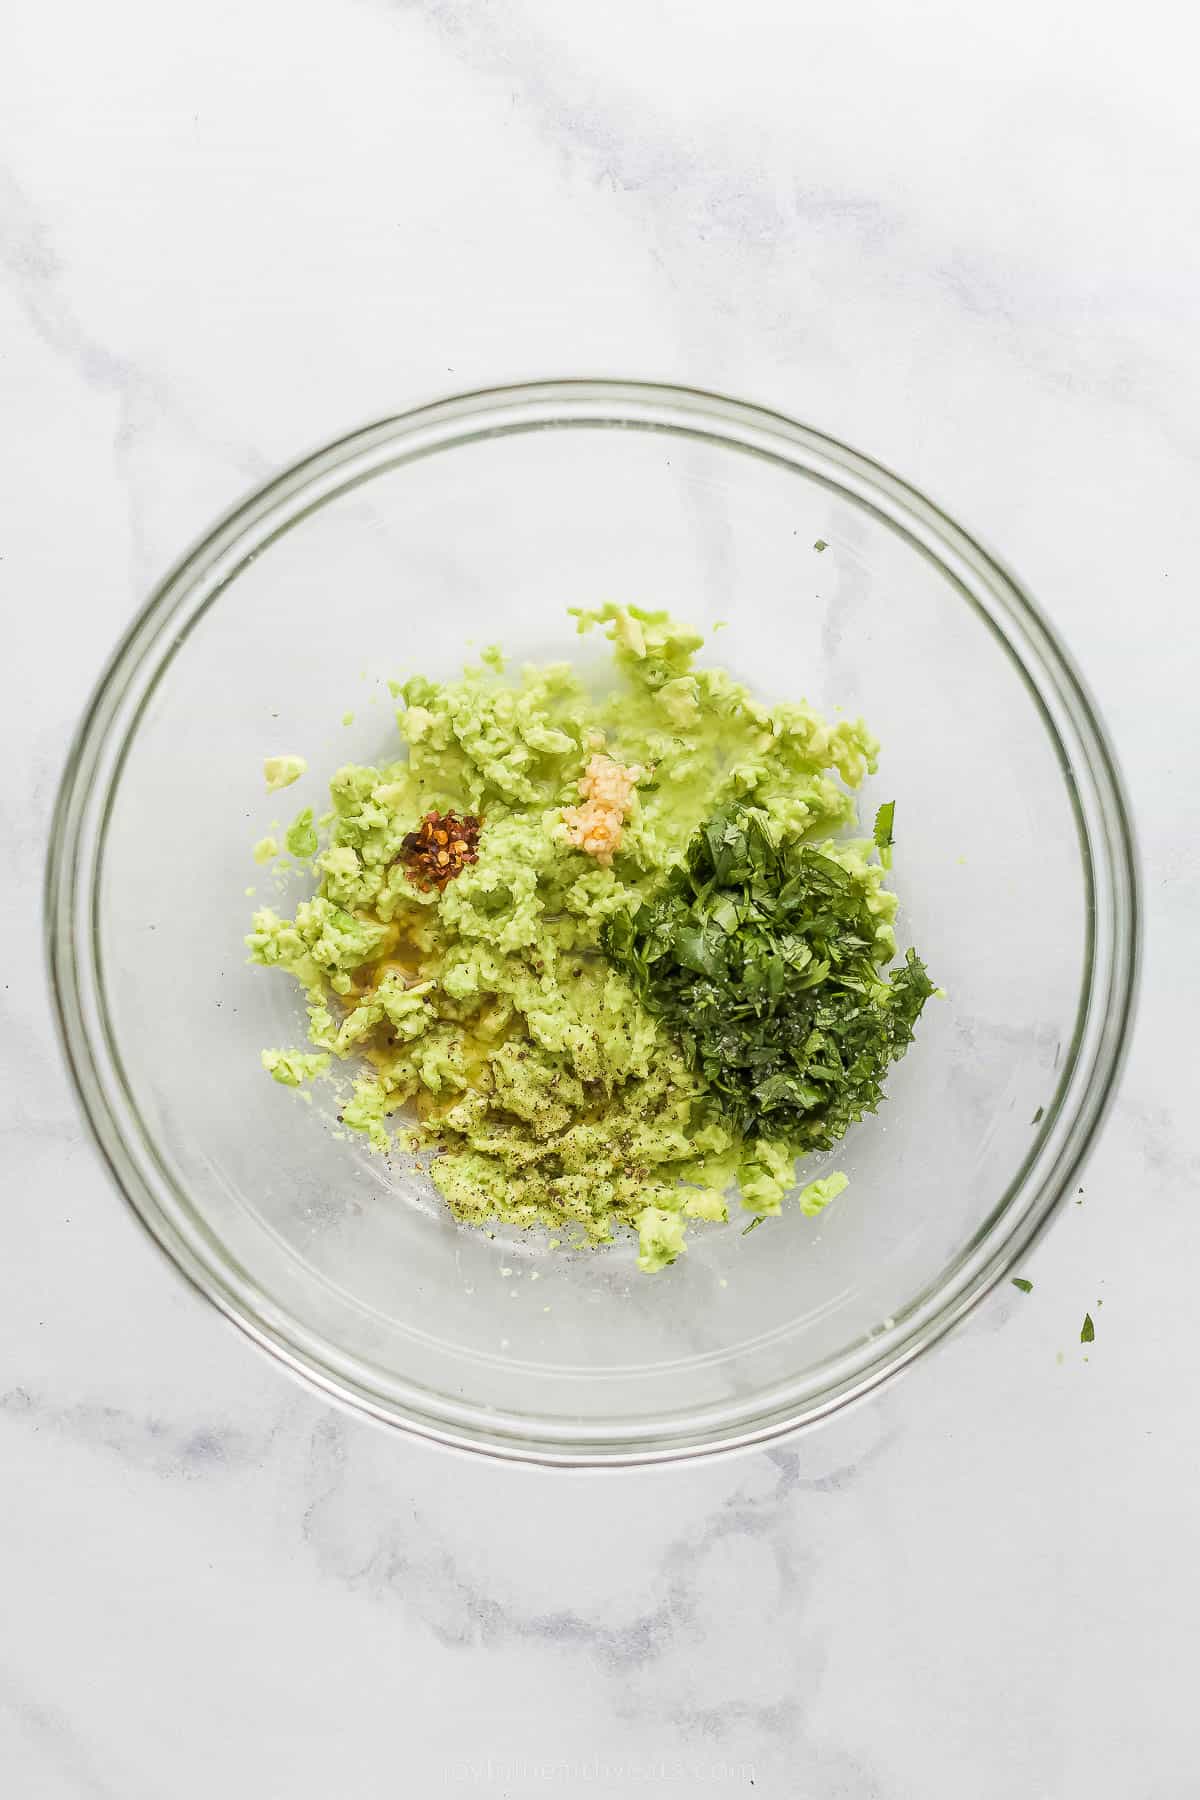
{"x":485,"y":517}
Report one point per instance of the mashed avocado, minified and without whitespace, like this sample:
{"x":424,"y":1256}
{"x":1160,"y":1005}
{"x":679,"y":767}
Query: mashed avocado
{"x":281,"y":771}
{"x":486,"y":1020}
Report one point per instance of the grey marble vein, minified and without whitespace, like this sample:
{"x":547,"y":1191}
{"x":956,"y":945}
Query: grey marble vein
{"x":66,"y":1764}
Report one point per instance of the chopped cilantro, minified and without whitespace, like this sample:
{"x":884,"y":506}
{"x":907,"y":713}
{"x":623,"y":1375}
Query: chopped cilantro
{"x":762,"y":959}
{"x":1088,"y":1334}
{"x":820,"y":545}
{"x":1037,"y":1115}
{"x":1019,"y":1281}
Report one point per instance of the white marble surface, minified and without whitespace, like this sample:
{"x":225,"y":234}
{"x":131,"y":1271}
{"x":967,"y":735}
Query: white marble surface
{"x":967,"y":241}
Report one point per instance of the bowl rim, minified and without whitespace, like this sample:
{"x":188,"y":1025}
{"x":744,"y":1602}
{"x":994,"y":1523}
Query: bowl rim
{"x":1107,"y":847}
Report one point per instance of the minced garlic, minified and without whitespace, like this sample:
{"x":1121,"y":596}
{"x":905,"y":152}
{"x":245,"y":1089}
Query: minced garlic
{"x":607,"y":788}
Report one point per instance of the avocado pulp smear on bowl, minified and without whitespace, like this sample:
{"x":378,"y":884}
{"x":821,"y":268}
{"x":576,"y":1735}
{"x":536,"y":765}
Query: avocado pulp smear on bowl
{"x":611,"y":961}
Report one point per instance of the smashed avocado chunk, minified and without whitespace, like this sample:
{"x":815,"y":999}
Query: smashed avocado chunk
{"x":589,"y":1024}
{"x":291,"y":1067}
{"x":281,"y":771}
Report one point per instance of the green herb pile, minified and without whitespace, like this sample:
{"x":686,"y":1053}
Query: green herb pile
{"x":763,"y":961}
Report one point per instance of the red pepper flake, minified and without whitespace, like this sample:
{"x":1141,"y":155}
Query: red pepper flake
{"x":441,"y":847}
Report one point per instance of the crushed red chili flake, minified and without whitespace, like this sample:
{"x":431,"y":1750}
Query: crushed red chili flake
{"x":440,"y":848}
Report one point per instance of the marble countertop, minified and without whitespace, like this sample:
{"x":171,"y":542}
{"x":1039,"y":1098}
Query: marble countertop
{"x":966,"y":242}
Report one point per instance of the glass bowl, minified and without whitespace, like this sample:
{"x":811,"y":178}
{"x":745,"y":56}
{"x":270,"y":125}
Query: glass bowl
{"x":482,"y":518}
